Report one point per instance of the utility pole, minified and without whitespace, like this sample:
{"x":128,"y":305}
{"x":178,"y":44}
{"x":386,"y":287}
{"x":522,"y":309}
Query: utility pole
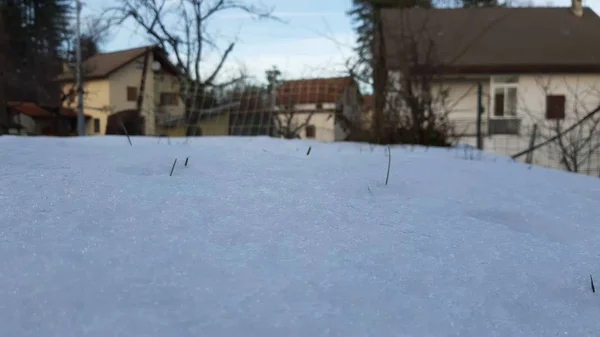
{"x":479,"y":113}
{"x":78,"y":80}
{"x":273,"y":81}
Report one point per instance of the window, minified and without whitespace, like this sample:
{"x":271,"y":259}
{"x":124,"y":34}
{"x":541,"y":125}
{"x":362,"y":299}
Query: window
{"x":310,"y":131}
{"x":505,"y":101}
{"x":96,"y":125}
{"x":555,"y":107}
{"x":168,"y":98}
{"x":132,"y":94}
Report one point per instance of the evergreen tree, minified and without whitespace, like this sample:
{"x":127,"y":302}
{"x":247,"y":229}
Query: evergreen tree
{"x":36,"y":33}
{"x":366,"y":15}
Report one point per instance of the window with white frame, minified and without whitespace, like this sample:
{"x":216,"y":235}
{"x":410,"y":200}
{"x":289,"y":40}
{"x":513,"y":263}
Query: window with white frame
{"x":504,"y":97}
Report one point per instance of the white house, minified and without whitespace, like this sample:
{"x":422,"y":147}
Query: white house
{"x":313,"y":107}
{"x":533,"y":66}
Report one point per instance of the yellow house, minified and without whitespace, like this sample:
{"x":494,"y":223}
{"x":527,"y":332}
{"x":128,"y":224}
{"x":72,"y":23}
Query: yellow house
{"x":115,"y":82}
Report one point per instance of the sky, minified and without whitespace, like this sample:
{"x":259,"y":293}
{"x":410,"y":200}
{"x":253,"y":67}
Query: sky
{"x":315,"y":40}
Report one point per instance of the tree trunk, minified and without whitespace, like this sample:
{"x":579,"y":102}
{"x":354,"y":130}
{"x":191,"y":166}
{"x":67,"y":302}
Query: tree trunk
{"x":380,"y":77}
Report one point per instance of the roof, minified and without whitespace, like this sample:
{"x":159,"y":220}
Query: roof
{"x":510,"y":39}
{"x":36,"y":111}
{"x":316,"y":90}
{"x":102,"y":65}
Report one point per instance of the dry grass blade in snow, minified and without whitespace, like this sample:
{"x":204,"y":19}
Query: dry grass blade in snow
{"x":96,"y":240}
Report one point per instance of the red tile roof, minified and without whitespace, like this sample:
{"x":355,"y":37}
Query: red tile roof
{"x":35,"y":111}
{"x":317,"y":90}
{"x":32,"y":110}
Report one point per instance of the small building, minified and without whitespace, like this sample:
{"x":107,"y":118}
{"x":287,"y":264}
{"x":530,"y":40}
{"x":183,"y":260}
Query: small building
{"x":313,"y":108}
{"x":28,"y":118}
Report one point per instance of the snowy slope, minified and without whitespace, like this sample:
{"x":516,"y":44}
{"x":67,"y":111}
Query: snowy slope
{"x":255,"y":238}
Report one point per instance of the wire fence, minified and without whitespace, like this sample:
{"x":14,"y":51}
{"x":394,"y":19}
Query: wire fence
{"x":541,"y":143}
{"x":311,"y":109}
{"x":325,"y":109}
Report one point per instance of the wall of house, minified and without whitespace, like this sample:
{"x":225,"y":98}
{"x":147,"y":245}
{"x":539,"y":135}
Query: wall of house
{"x":218,"y":126}
{"x":460,"y":102}
{"x":130,"y":76}
{"x":165,"y":82}
{"x":457,"y":98}
{"x":96,"y":102}
{"x":581,"y":95}
{"x":324,"y":122}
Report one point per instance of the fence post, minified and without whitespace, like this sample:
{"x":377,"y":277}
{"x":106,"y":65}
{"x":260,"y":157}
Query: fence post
{"x":479,"y":113}
{"x":529,"y":157}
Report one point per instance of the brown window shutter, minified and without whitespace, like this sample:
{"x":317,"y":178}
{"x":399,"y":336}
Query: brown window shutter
{"x":310,"y":131}
{"x":131,"y":94}
{"x":555,"y":107}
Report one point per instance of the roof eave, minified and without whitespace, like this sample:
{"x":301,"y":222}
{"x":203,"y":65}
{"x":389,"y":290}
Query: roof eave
{"x":518,"y":69}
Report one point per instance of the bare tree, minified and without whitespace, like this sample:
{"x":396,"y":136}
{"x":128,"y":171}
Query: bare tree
{"x":181,"y":29}
{"x":576,"y":141}
{"x":412,"y":103}
{"x":288,"y":122}
{"x":97,"y":30}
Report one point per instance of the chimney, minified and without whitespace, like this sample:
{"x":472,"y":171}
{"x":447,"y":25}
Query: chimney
{"x":577,"y":7}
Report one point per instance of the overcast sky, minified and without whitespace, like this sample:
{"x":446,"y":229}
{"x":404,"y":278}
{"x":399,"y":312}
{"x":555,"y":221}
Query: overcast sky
{"x":315,"y":41}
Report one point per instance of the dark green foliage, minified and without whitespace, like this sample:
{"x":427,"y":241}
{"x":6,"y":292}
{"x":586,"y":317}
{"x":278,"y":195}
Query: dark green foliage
{"x":35,"y":34}
{"x":364,"y":16}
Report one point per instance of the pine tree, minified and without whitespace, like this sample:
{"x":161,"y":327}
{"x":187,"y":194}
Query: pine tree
{"x":36,"y":32}
{"x":366,"y":15}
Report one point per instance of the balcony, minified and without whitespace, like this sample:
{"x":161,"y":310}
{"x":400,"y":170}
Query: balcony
{"x":504,"y":126}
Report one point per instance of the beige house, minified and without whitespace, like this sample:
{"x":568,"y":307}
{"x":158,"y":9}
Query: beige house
{"x":525,"y":66}
{"x":115,"y":82}
{"x":313,"y":108}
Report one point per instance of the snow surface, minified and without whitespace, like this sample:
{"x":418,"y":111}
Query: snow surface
{"x":255,"y":238}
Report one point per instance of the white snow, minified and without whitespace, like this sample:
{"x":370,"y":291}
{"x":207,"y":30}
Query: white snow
{"x":255,"y":238}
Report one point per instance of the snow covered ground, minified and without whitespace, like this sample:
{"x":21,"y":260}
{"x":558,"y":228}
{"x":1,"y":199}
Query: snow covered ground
{"x":255,"y":238}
